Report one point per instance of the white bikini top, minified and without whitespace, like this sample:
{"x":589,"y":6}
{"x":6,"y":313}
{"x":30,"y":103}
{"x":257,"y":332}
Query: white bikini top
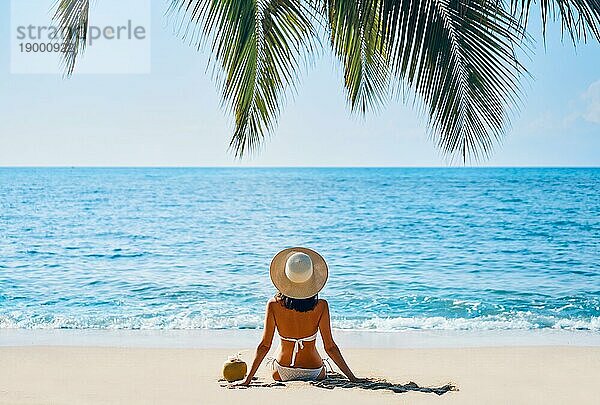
{"x":299,"y":344}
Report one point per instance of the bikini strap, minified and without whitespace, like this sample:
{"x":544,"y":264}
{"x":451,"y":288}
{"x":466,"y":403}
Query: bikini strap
{"x":326,"y":361}
{"x":299,"y":344}
{"x":271,"y":362}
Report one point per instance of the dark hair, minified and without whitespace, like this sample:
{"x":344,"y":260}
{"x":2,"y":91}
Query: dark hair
{"x":297,"y":304}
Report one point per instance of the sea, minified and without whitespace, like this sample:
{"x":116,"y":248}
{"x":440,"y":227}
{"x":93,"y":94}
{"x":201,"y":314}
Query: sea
{"x":470,"y":249}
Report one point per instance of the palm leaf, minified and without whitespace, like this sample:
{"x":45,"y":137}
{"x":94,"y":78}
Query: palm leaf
{"x":579,"y":18}
{"x":355,"y":32}
{"x":456,"y":56}
{"x":259,"y":45}
{"x":72,"y":17}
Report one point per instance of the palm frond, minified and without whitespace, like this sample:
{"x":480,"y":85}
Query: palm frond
{"x":355,"y":31}
{"x":458,"y":57}
{"x":259,"y":45}
{"x":579,"y":18}
{"x":72,"y":17}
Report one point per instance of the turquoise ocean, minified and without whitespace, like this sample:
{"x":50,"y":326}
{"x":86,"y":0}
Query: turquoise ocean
{"x":408,"y":249}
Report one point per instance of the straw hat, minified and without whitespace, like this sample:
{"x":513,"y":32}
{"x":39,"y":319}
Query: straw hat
{"x":298,"y":272}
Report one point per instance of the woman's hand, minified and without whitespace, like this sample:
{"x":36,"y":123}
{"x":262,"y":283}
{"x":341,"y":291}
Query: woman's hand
{"x":263,"y":347}
{"x":332,"y":350}
{"x":244,"y":383}
{"x":352,"y":378}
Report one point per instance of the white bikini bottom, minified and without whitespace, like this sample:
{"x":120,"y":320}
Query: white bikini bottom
{"x":297,"y":373}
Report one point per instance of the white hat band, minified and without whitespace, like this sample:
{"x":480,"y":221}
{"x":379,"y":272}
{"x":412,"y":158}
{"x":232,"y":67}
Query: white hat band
{"x":299,"y":267}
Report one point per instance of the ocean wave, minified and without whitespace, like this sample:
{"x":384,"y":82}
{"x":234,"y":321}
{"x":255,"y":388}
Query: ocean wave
{"x":495,"y":322}
{"x":521,"y":321}
{"x":171,"y":322}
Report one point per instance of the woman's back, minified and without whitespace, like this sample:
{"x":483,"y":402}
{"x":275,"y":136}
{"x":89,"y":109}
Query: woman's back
{"x":292,"y":324}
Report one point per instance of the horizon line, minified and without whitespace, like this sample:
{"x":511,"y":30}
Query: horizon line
{"x":287,"y":167}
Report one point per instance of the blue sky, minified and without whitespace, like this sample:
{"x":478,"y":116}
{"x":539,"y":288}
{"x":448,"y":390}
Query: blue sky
{"x":173,"y":115}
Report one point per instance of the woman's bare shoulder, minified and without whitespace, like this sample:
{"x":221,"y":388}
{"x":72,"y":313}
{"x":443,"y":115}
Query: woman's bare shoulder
{"x":323,"y":304}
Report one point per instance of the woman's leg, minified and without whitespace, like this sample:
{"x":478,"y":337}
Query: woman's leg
{"x":276,"y":375}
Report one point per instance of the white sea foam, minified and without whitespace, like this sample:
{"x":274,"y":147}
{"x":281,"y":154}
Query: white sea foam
{"x":437,"y":323}
{"x":520,"y":321}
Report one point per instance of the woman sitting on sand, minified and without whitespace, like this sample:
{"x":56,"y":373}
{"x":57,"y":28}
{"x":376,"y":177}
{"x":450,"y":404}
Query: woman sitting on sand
{"x":299,"y":274}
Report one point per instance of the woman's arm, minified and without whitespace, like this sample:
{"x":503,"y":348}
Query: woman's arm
{"x":265,"y":344}
{"x":333,"y":351}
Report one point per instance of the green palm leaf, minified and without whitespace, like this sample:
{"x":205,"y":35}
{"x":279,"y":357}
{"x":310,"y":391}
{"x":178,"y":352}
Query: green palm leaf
{"x":456,"y":56}
{"x":259,"y":45}
{"x":72,"y":17}
{"x":579,"y":18}
{"x":355,"y":29}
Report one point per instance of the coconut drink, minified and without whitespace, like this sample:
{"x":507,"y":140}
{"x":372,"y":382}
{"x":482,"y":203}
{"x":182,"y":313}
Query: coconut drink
{"x":234,"y":369}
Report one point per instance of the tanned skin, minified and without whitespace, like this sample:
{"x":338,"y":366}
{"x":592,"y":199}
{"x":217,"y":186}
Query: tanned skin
{"x":295,"y":324}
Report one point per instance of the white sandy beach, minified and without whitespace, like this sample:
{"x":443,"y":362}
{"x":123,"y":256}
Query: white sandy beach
{"x":120,"y":375}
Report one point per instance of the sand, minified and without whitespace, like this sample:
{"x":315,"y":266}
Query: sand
{"x":483,"y":375}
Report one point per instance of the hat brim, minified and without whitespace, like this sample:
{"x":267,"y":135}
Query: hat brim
{"x":307,"y":289}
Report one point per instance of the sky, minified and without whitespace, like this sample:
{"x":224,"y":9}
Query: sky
{"x":171,"y":113}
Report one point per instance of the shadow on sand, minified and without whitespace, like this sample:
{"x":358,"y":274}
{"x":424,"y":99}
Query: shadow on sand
{"x":255,"y":383}
{"x":335,"y":380}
